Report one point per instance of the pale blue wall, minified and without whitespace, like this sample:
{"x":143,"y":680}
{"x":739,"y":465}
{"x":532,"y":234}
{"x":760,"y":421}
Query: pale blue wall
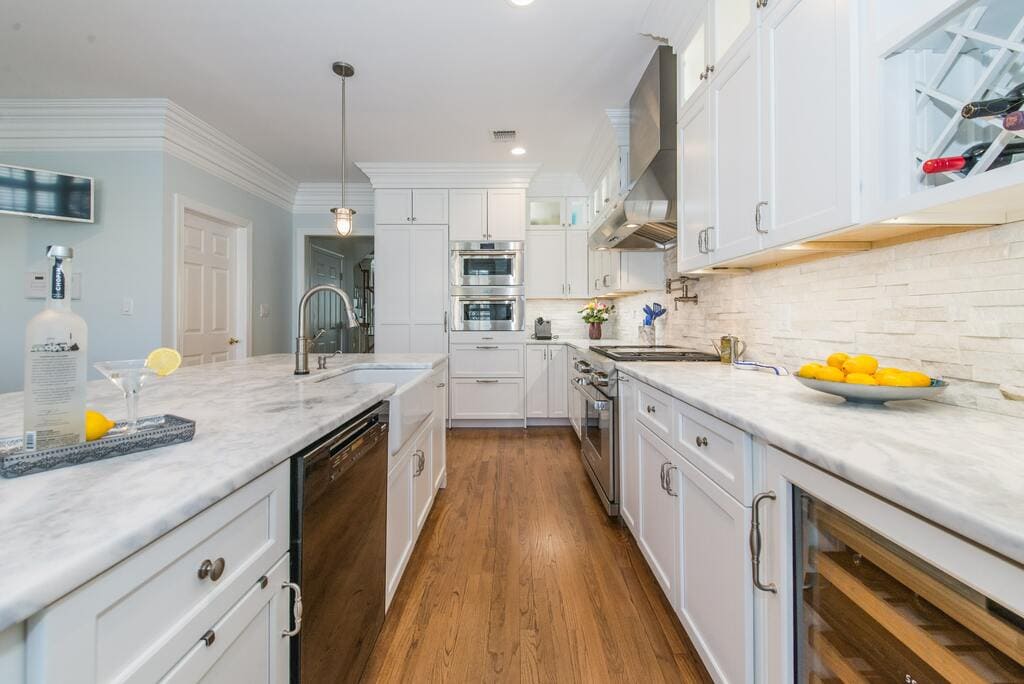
{"x":119,"y":255}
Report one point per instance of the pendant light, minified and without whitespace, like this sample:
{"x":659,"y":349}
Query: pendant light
{"x":344,"y":217}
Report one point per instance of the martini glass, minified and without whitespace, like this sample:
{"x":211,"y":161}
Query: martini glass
{"x":129,"y":376}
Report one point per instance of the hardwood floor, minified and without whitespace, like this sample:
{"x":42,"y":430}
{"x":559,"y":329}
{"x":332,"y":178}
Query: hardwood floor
{"x":520,"y":576}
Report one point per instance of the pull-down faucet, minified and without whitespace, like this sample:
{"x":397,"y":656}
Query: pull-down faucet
{"x":302,"y":340}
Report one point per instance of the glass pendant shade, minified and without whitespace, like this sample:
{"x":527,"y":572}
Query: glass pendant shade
{"x":344,"y":219}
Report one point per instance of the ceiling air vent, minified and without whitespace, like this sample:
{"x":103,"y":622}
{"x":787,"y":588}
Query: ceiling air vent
{"x":505,"y":135}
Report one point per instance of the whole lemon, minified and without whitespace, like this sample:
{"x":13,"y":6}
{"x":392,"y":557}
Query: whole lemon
{"x":900,"y":379}
{"x":837,"y":360}
{"x":809,"y":370}
{"x":918,"y":379}
{"x":885,"y":371}
{"x":96,"y":425}
{"x":830,"y":374}
{"x":861,"y":364}
{"x":861,"y":379}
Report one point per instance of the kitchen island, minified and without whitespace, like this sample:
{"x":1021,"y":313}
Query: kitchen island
{"x":61,"y":528}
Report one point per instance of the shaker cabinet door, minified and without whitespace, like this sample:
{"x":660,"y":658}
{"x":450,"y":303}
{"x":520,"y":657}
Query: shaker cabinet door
{"x":659,"y":512}
{"x":392,"y":207}
{"x":558,"y":382}
{"x":536,"y":381}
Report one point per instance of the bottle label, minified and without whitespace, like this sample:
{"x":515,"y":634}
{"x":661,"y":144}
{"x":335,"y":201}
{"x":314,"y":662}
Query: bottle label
{"x":53,"y":386}
{"x":57,"y":284}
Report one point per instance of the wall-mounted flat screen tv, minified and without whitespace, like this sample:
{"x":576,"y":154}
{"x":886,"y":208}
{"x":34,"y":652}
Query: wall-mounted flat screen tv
{"x":45,"y":194}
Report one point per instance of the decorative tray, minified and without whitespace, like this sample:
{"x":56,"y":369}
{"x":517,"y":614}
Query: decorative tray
{"x":153,"y":432}
{"x":874,"y":394}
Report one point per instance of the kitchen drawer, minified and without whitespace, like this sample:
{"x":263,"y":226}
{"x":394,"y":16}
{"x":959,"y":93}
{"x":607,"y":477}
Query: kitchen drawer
{"x":487,"y":398}
{"x":143,"y":614}
{"x":488,"y":337}
{"x":654,"y":409}
{"x":487,"y":360}
{"x":719,"y":450}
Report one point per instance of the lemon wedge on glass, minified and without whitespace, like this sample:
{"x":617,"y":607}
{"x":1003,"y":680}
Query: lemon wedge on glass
{"x":164,"y":360}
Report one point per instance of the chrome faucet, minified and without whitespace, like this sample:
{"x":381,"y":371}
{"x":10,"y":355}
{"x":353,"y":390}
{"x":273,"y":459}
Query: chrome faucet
{"x":302,"y":340}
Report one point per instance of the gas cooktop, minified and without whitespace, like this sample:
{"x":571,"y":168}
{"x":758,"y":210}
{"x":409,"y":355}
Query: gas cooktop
{"x":655,"y":353}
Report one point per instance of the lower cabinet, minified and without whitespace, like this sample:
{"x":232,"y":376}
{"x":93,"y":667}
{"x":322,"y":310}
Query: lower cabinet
{"x":629,"y":472}
{"x":487,"y":398}
{"x":575,"y":399}
{"x":439,"y":439}
{"x":547,"y":382}
{"x":422,"y":479}
{"x":660,"y":510}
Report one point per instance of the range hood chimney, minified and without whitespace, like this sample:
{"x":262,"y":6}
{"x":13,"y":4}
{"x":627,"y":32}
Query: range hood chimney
{"x":644,"y":217}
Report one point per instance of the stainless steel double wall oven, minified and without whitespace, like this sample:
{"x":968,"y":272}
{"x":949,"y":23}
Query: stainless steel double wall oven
{"x":487,"y":286}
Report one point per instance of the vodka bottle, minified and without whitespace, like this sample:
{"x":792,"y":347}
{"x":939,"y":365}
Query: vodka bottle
{"x":55,"y":366}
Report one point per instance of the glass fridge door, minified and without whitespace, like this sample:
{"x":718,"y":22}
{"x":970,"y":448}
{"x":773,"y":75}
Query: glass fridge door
{"x":869,"y":611}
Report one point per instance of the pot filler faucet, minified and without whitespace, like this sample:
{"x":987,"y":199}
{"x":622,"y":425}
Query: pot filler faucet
{"x":302,"y":340}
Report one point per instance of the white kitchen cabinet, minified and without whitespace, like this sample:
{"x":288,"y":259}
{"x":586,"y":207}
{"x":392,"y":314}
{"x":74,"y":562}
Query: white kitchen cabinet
{"x":468,"y":219}
{"x":546,"y":263}
{"x":640,"y":271}
{"x":546,"y":212}
{"x":574,"y":397}
{"x":438,"y":432}
{"x":604,"y":271}
{"x":660,"y":511}
{"x":487,"y":398}
{"x":547,"y":381}
{"x":693,"y":61}
{"x":487,"y":360}
{"x":401,"y":522}
{"x":422,"y":476}
{"x":721,"y":27}
{"x":717,"y":602}
{"x":506,"y":214}
{"x":734,"y":21}
{"x":577,"y":263}
{"x":411,"y":299}
{"x":422,"y":206}
{"x":806,"y":56}
{"x":629,"y":455}
{"x":695,"y":168}
{"x":577,"y":213}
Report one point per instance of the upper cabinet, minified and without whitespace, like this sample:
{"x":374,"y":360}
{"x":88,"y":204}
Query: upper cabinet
{"x":427,"y":206}
{"x":721,"y":27}
{"x":478,"y":214}
{"x":558,"y":212}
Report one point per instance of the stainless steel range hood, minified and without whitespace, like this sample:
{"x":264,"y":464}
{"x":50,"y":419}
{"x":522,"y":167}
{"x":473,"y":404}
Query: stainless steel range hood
{"x":644,"y":217}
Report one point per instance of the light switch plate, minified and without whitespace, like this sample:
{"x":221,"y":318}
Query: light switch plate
{"x":127,"y":306}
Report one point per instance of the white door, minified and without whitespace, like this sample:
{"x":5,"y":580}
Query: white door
{"x":400,"y":523}
{"x":577,"y":257}
{"x":392,"y":207}
{"x":806,"y":53}
{"x":733,"y":21}
{"x":325,"y":308}
{"x":694,"y":183}
{"x":659,"y":513}
{"x":641,"y":271}
{"x":734,"y":104}
{"x":577,"y":213}
{"x":537,"y":381}
{"x":207,"y":318}
{"x":392,"y":279}
{"x":717,"y":601}
{"x":629,"y":456}
{"x":693,"y":61}
{"x":575,"y":400}
{"x":558,"y":382}
{"x":610,"y":267}
{"x":545,"y":263}
{"x":506,"y":214}
{"x":468,"y":215}
{"x":438,"y":437}
{"x":429,"y":289}
{"x":430,"y":206}
{"x":546,"y":212}
{"x":422,"y":479}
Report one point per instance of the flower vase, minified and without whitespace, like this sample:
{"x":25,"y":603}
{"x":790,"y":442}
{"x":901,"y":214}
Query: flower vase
{"x":595,"y":331}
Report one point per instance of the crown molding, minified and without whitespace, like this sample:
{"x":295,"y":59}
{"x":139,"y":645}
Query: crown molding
{"x":556,"y":185}
{"x":448,"y":174}
{"x":120,"y":125}
{"x":320,"y":198}
{"x":619,"y":119}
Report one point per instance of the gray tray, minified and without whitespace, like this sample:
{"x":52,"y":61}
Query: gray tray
{"x":153,"y":432}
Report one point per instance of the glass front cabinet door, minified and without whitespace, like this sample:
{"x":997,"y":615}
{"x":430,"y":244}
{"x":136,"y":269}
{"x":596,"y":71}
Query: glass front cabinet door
{"x":858,"y":590}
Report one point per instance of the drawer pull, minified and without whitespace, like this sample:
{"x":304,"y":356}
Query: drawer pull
{"x":212,"y":569}
{"x":487,"y":346}
{"x":487,"y":382}
{"x":702,"y":441}
{"x":296,"y":609}
{"x":209,"y":637}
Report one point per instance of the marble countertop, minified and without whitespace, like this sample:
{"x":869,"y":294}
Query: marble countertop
{"x":577,"y":342}
{"x":61,"y":528}
{"x":960,"y":468}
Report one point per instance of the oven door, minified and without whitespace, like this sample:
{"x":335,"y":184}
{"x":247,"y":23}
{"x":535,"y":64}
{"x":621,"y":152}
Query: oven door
{"x":488,"y":312}
{"x":498,"y":267}
{"x":598,"y":440}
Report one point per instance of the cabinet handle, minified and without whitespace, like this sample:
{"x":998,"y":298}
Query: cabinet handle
{"x":711,"y":70}
{"x":421,"y":462}
{"x":445,"y":320}
{"x":212,"y":569}
{"x":755,"y":542}
{"x":209,"y":637}
{"x":757,"y":218}
{"x":414,"y":219}
{"x":664,"y":465}
{"x":296,"y":609}
{"x":408,"y":219}
{"x":569,"y":288}
{"x":651,"y":409}
{"x":700,"y":242}
{"x":487,"y":382}
{"x":668,"y":480}
{"x":702,"y":441}
{"x":487,"y":346}
{"x":604,"y":279}
{"x":708,"y":249}
{"x":440,"y":385}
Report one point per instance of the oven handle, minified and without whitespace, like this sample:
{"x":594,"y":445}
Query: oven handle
{"x":487,"y":252}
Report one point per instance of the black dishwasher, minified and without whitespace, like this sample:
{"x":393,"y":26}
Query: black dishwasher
{"x":338,"y":548}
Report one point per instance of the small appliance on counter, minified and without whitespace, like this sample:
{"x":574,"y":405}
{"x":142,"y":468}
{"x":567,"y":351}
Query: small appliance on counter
{"x":541,"y":329}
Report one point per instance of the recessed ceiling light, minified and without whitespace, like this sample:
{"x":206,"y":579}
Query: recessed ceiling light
{"x":518,"y":151}
{"x":520,"y":3}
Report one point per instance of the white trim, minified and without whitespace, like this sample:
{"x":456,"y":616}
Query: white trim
{"x":448,"y":174}
{"x":619,"y":119}
{"x":243,"y":270}
{"x":556,"y":185}
{"x":300,"y":255}
{"x":155,"y":124}
{"x":320,"y":198}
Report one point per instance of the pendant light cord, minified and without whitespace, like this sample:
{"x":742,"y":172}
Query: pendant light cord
{"x":344,"y":135}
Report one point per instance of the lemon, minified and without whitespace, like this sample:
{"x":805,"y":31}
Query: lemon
{"x":837,"y":360}
{"x":900,"y":379}
{"x":96,"y":425}
{"x":809,"y":370}
{"x":830,"y":374}
{"x":861,"y":364}
{"x":163,"y":360}
{"x":918,"y":379}
{"x":861,"y":379}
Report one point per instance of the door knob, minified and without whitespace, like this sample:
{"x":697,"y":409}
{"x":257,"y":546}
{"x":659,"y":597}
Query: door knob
{"x":232,"y":340}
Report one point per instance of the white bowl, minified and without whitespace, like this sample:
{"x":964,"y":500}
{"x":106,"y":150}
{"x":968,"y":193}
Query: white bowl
{"x":873,"y":394}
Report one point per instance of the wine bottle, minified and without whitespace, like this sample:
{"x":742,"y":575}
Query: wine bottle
{"x":1011,"y":102}
{"x":1014,"y":121}
{"x":55,"y":366}
{"x":965,"y":162}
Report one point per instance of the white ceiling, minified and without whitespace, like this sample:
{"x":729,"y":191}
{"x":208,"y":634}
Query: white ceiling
{"x":431,"y":77}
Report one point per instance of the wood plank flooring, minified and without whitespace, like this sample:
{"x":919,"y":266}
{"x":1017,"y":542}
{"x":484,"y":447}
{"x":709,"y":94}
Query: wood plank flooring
{"x":520,"y":576}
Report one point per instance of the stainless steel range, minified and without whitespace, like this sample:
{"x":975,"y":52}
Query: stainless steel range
{"x":596,"y":380}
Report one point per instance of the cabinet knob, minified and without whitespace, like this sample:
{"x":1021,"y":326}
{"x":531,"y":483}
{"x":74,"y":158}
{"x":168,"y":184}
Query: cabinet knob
{"x":702,"y":441}
{"x":209,"y":637}
{"x":651,"y":409}
{"x":212,"y":569}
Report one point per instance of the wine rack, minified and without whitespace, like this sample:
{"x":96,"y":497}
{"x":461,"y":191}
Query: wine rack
{"x":975,"y":53}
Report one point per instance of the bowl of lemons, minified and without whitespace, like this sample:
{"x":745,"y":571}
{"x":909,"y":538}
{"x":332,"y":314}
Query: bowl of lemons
{"x":858,"y":378}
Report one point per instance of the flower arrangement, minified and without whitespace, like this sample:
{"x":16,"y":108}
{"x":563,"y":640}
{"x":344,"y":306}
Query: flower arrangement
{"x":596,"y":312}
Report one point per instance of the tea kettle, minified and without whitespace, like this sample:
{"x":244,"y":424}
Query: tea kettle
{"x":729,"y":348}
